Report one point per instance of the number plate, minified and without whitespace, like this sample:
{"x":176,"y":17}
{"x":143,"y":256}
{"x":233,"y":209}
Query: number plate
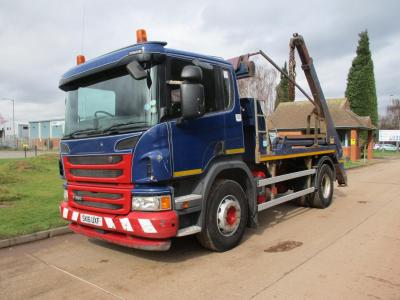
{"x":92,"y":220}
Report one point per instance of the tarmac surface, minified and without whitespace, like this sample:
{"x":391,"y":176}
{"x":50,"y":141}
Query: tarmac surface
{"x":21,"y":153}
{"x":349,"y":251}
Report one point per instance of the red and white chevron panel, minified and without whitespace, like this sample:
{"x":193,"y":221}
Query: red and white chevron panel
{"x":144,"y":224}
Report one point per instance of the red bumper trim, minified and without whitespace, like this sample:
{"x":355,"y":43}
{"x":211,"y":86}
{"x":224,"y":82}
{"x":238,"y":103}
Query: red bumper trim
{"x":148,"y":225}
{"x":122,"y":239}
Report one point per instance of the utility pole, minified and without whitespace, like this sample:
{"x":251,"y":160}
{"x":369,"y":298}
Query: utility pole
{"x":398,"y":124}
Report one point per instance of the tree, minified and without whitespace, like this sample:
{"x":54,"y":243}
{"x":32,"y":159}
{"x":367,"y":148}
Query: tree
{"x":260,"y":87}
{"x":361,"y":89}
{"x":282,"y":89}
{"x":392,"y":118}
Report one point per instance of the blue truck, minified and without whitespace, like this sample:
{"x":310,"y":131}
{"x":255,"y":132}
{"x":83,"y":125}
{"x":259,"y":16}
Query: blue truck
{"x":158,"y":144}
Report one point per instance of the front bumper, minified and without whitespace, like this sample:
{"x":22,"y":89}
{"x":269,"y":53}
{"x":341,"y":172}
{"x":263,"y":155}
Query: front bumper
{"x":141,"y":230}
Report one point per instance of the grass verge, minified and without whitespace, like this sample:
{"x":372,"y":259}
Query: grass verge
{"x":30,"y":191}
{"x":379,"y":154}
{"x":354,"y":164}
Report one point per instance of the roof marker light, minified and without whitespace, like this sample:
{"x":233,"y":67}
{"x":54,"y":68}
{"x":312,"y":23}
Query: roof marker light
{"x":141,"y":36}
{"x":80,"y":59}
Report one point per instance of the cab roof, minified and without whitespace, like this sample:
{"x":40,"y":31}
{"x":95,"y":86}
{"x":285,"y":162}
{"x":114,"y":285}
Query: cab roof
{"x":113,"y":58}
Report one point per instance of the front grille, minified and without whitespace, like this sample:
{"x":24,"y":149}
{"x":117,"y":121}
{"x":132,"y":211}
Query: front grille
{"x":97,"y":195}
{"x":100,"y":183}
{"x":110,"y":168}
{"x":96,"y":173}
{"x":99,"y":204}
{"x":95,"y":160}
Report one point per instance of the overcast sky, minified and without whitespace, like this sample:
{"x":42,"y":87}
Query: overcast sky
{"x":40,"y":39}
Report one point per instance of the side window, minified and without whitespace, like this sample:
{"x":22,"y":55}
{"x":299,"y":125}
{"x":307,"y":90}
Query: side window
{"x":210,"y":83}
{"x":227,"y":89}
{"x":174,"y":93}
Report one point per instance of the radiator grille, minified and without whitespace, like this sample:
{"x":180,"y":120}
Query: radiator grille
{"x":95,"y":160}
{"x":111,"y":206}
{"x":97,"y":195}
{"x":96,"y":173}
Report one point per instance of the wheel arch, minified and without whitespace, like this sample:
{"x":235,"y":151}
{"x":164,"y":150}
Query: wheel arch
{"x":237,"y":171}
{"x":325,"y":160}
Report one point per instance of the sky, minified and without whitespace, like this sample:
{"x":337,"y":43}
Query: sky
{"x":39,"y":40}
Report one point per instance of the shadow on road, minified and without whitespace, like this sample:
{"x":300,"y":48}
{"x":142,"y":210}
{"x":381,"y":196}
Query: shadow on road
{"x":186,"y":248}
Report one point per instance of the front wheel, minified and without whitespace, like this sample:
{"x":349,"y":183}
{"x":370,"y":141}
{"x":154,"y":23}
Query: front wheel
{"x":226,"y":216}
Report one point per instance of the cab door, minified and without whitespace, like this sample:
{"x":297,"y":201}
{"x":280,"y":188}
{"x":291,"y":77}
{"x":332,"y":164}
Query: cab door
{"x":196,"y":142}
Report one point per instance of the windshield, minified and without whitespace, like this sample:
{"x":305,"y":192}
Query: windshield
{"x":116,"y":104}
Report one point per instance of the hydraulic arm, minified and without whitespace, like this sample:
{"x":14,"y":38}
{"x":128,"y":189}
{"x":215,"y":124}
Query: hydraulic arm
{"x":321,"y":113}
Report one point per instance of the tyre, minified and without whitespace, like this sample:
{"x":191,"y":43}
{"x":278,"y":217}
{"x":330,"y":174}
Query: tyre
{"x":300,"y":184}
{"x":226,"y":216}
{"x":322,"y":197}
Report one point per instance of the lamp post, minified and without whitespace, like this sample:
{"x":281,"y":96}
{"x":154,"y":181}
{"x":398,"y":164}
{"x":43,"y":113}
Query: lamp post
{"x":13,"y":107}
{"x":398,"y":122}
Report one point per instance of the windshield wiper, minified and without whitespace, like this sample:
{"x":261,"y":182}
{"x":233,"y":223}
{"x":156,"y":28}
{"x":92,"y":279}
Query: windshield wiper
{"x":126,"y":125}
{"x":86,"y":131}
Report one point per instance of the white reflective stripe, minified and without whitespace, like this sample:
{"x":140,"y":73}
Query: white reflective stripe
{"x":126,"y":225}
{"x":65,"y":213}
{"x":74,"y":216}
{"x":147,"y":226}
{"x":110,"y":223}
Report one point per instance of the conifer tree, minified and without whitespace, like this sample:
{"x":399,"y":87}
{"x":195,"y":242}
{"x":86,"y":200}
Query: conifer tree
{"x":361,"y":90}
{"x":282,"y":89}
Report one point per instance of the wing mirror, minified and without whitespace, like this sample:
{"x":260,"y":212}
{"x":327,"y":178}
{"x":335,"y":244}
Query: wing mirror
{"x":192,"y":92}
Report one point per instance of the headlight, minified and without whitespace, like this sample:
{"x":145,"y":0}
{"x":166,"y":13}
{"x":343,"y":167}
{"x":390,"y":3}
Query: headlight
{"x":151,"y":203}
{"x":66,"y":195}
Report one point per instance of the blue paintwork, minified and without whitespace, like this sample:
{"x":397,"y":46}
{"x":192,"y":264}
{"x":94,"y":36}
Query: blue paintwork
{"x":154,"y":190}
{"x":234,"y":135}
{"x":196,"y":142}
{"x":153,"y":149}
{"x":167,"y":147}
{"x":150,"y":47}
{"x":97,"y":145}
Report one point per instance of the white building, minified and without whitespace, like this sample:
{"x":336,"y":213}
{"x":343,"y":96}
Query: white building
{"x":7,"y":133}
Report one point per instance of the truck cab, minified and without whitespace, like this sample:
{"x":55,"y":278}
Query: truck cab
{"x":131,"y":150}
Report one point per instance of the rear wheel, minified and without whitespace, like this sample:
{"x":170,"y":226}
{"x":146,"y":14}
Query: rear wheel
{"x":298,"y":185}
{"x":226,"y":216}
{"x":322,"y":198}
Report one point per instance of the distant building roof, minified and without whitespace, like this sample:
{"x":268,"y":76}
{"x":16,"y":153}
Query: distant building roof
{"x":49,"y":120}
{"x":293,"y":115}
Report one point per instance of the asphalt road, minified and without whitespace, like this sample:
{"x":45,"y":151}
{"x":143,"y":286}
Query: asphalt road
{"x":349,"y":251}
{"x":21,"y":153}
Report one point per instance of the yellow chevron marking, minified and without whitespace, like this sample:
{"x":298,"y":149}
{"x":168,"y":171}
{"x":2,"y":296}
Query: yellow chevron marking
{"x":276,"y":157}
{"x":234,"y":151}
{"x":188,"y":172}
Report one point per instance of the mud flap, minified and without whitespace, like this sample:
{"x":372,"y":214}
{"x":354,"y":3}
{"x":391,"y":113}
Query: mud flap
{"x":341,"y":175}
